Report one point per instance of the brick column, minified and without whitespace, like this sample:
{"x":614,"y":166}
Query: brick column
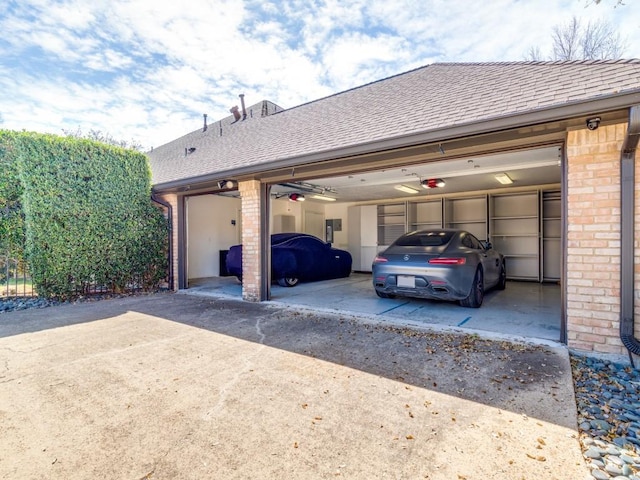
{"x":593,"y":239}
{"x":251,"y":240}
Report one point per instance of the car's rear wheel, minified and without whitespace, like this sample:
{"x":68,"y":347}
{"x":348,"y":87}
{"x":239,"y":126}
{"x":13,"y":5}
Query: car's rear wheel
{"x":288,"y":281}
{"x":384,"y":295}
{"x":502,"y":281}
{"x":476,"y":295}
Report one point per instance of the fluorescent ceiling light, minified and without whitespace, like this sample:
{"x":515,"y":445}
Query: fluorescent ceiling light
{"x":323,"y":197}
{"x":503,"y":178}
{"x":405,"y":189}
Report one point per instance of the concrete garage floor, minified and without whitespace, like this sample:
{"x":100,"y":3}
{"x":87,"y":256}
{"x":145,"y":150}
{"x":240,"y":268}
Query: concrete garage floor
{"x":524,"y":309}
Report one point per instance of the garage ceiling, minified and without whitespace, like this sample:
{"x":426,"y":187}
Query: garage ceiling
{"x":526,"y":168}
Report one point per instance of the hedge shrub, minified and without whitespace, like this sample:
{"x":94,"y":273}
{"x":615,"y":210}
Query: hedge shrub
{"x":12,"y":235}
{"x":88,"y":215}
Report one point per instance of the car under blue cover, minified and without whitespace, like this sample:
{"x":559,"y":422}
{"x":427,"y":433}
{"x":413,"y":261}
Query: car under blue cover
{"x":297,"y":257}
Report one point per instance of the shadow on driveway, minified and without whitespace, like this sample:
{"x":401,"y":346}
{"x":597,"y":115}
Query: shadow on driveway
{"x":264,"y":391}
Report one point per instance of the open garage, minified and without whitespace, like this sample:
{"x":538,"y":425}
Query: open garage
{"x":512,"y":199}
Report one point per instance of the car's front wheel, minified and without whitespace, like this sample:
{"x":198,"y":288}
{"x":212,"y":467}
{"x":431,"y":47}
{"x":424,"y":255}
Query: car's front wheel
{"x":288,"y":281}
{"x":476,"y":295}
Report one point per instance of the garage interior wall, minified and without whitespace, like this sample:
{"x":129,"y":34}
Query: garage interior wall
{"x":212,"y":226}
{"x":296,"y":214}
{"x":366,"y":229}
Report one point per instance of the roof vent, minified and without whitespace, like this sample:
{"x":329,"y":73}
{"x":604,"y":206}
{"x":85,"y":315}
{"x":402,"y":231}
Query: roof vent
{"x":236,"y":113}
{"x":244,"y":110}
{"x":204,"y":129}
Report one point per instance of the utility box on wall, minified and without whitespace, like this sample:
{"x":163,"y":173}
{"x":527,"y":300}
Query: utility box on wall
{"x":332,"y":225}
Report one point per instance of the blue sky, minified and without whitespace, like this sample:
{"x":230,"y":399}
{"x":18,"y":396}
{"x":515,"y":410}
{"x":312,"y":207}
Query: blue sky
{"x":147,"y":70}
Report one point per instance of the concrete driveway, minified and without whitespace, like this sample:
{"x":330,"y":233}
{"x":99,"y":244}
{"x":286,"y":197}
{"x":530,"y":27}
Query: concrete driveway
{"x":180,"y":387}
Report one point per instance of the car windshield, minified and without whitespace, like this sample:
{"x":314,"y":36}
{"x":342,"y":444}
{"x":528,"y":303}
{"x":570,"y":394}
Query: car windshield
{"x":424,"y":239}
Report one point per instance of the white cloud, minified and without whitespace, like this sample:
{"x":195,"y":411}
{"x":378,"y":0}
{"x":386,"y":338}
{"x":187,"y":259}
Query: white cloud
{"x":148,"y":70}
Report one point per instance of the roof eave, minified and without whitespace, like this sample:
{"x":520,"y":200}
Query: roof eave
{"x":507,"y":122}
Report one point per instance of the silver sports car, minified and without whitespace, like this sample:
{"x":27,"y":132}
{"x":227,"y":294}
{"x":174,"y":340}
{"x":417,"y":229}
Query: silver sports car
{"x":440,"y":264}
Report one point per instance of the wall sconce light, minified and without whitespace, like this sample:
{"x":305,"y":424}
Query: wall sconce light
{"x":406,"y":189}
{"x":296,"y":197}
{"x":432,"y":183}
{"x":227,"y":184}
{"x":503,"y":178}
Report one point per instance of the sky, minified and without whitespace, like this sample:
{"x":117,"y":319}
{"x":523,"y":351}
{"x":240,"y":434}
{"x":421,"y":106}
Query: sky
{"x":145,"y":71}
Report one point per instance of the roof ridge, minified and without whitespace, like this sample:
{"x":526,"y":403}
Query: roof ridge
{"x":471,"y":64}
{"x":542,"y":62}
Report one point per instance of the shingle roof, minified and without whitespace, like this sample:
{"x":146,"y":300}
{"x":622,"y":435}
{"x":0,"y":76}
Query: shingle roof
{"x":430,"y":98}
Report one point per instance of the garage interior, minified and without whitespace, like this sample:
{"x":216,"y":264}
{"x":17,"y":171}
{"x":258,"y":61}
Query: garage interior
{"x":513,"y":199}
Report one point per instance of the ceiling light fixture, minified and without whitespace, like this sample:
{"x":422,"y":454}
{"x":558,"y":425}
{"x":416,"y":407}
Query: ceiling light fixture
{"x":323,"y":197}
{"x":432,"y":183}
{"x":503,"y":178}
{"x":406,"y":189}
{"x":296,"y":197}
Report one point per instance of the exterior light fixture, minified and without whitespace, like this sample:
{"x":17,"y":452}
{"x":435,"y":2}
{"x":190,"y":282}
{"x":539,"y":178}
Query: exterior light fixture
{"x":323,"y":197}
{"x":503,"y":178}
{"x":227,"y":184}
{"x":405,"y":189}
{"x":432,"y":183}
{"x":296,"y":197}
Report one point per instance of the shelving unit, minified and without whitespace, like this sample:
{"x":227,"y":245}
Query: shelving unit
{"x":514,"y":231}
{"x":423,"y":215}
{"x":551,"y":235}
{"x":392,"y":222}
{"x":468,"y":213}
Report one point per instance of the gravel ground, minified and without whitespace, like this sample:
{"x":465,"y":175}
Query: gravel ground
{"x":608,"y":401}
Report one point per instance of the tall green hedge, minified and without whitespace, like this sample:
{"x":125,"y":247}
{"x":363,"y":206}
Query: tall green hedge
{"x":88,"y":215}
{"x":11,"y":214}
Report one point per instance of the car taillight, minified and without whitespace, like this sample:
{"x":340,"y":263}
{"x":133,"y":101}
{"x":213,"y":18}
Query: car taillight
{"x":380,"y":260}
{"x":448,"y":261}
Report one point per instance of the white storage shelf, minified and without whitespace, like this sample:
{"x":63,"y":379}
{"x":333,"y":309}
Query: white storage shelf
{"x":392,"y":222}
{"x":551,"y":235}
{"x":468,"y":214}
{"x":515,"y":232}
{"x":425,"y":215}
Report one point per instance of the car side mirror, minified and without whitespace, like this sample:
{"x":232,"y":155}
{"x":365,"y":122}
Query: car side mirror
{"x":487,"y":245}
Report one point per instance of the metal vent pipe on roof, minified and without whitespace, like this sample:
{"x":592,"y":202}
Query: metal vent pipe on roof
{"x":204,"y":128}
{"x":236,"y":113}
{"x":244,"y":110}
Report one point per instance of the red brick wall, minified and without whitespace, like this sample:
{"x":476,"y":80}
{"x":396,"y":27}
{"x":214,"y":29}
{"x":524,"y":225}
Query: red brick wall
{"x":593,"y":239}
{"x":251,"y":233}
